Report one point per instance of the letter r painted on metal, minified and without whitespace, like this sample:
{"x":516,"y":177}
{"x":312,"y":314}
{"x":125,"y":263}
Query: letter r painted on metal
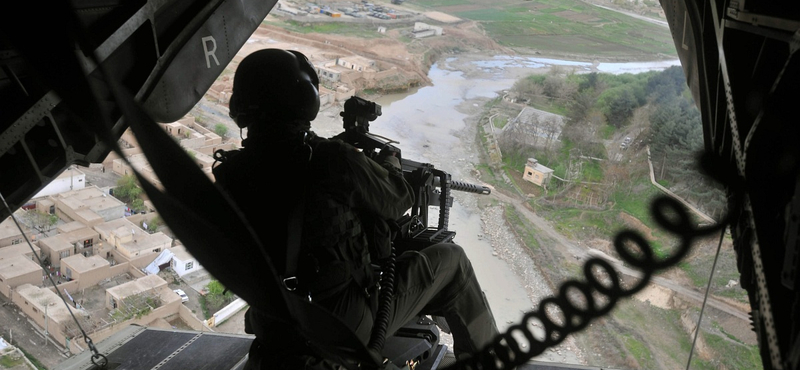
{"x":210,"y":52}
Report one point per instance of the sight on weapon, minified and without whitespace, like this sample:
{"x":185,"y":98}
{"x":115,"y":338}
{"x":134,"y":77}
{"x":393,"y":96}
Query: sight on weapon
{"x":358,"y":113}
{"x":431,"y":186}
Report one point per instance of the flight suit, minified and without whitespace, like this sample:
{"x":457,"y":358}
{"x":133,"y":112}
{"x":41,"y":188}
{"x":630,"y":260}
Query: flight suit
{"x":343,"y":190}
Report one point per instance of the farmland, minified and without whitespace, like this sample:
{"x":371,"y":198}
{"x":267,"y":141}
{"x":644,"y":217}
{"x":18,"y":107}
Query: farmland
{"x":566,"y":27}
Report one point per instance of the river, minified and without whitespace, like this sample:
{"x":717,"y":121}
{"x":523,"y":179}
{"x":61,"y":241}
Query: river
{"x":429,"y":123}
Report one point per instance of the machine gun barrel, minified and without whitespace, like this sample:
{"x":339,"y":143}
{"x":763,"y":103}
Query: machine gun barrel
{"x":470,"y":188}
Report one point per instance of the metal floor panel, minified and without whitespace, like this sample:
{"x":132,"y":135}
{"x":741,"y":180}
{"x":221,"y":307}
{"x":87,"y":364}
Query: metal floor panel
{"x":210,"y":352}
{"x":142,"y":348}
{"x":148,"y":349}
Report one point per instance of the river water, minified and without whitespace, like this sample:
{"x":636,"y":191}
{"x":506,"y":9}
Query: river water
{"x":429,"y":123}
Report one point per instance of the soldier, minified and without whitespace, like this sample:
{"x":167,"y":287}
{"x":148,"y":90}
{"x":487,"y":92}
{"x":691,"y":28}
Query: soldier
{"x":328,"y":229}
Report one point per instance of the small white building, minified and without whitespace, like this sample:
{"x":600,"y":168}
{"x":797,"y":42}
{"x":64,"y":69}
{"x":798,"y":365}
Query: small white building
{"x":326,"y":73}
{"x":357,"y":63}
{"x":426,"y":30}
{"x":537,"y":173}
{"x":183,"y":262}
{"x":71,"y":179}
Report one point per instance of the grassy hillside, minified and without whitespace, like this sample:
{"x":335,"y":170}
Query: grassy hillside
{"x":565,"y":26}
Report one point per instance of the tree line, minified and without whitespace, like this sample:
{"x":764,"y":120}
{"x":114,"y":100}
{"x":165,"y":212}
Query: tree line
{"x":598,"y":105}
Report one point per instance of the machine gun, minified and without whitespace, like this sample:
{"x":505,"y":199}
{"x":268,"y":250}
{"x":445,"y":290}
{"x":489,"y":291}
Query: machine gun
{"x":432,"y":186}
{"x":418,"y":341}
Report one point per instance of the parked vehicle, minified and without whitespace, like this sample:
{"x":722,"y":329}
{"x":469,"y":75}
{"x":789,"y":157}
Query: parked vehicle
{"x":182,"y":294}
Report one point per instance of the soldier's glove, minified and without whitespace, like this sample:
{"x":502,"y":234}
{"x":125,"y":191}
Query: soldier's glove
{"x":390,"y":155}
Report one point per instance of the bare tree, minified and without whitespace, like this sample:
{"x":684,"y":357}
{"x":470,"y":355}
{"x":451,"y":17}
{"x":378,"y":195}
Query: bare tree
{"x":551,"y":129}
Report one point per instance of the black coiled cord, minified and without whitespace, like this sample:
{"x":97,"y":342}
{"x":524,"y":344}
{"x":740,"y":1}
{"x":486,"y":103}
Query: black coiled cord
{"x":378,"y":337}
{"x":598,"y":294}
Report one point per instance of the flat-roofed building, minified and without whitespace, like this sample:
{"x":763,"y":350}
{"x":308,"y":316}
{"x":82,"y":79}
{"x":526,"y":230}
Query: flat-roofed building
{"x":73,"y":238}
{"x":17,"y":270}
{"x":69,"y":227}
{"x":148,"y":284}
{"x":425,"y":30}
{"x":129,"y":243}
{"x":47,"y":310}
{"x":183,"y":262}
{"x":10,"y":234}
{"x":85,"y":239}
{"x":89,"y":206}
{"x":71,"y":179}
{"x":56,"y":248}
{"x":536,"y":173}
{"x":46,"y":205}
{"x":187,"y":136}
{"x":199,"y":141}
{"x":357,"y":63}
{"x":20,"y":250}
{"x":327,"y":73}
{"x":88,"y":271}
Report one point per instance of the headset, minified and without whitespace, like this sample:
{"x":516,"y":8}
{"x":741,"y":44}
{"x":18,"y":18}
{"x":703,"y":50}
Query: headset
{"x":274,"y":84}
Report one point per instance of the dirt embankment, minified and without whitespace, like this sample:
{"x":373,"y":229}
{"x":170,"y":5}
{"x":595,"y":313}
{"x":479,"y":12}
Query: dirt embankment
{"x":385,"y":50}
{"x":413,"y":58}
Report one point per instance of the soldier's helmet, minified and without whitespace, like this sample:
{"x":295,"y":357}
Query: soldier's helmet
{"x":274,"y":84}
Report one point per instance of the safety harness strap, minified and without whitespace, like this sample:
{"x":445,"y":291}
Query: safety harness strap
{"x":295,"y":229}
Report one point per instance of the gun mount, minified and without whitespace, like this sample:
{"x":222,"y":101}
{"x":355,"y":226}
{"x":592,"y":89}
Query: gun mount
{"x":432,"y":186}
{"x":418,"y":340}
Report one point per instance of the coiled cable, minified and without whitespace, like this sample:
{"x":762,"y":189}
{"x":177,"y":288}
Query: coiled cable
{"x":578,"y":302}
{"x":378,"y":336}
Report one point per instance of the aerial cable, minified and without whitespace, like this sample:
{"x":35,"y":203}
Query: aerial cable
{"x":705,"y":298}
{"x":97,"y":358}
{"x":581,"y":301}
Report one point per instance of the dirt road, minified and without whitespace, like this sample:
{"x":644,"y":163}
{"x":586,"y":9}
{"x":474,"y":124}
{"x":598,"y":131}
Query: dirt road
{"x":569,"y":248}
{"x":634,"y":15}
{"x":16,"y":327}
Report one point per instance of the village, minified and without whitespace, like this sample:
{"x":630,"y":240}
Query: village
{"x":111,"y":262}
{"x":110,"y":266}
{"x":115,"y":266}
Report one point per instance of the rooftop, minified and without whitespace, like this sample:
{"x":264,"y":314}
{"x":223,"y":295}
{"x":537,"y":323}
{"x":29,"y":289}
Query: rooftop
{"x":181,"y":253}
{"x":137,"y":286}
{"x":56,"y":243}
{"x":17,"y":250}
{"x":17,"y":265}
{"x":533,"y":163}
{"x":139,"y":162}
{"x":529,"y":114}
{"x":9,"y":229}
{"x":70,"y":226}
{"x":80,"y":234}
{"x":89,"y":215}
{"x":145,"y":241}
{"x":118,"y":226}
{"x":41,"y":297}
{"x":79,"y":263}
{"x":91,"y":198}
{"x":357,"y":59}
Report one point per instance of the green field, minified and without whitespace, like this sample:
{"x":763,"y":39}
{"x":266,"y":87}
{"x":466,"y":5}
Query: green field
{"x":366,"y":31}
{"x":567,"y":26}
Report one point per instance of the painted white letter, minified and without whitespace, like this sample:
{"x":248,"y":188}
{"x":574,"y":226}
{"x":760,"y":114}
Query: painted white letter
{"x":208,"y":52}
